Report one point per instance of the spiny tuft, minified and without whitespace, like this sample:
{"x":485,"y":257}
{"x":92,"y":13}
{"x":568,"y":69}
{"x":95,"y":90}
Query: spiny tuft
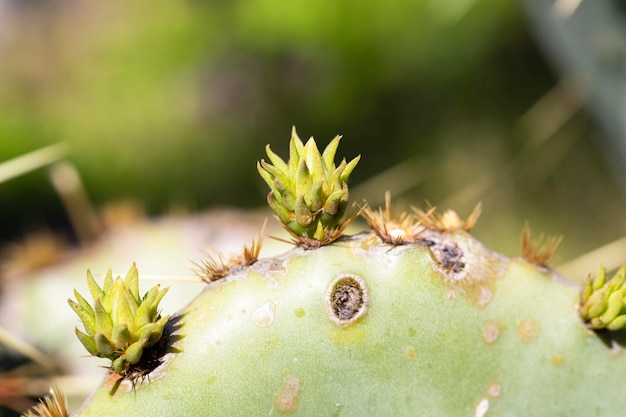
{"x":539,"y":251}
{"x":449,"y":221}
{"x":396,"y":231}
{"x":53,"y":405}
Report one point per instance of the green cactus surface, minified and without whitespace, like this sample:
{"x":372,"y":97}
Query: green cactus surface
{"x":443,"y":327}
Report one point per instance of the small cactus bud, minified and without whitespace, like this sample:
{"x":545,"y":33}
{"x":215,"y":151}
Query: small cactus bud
{"x":121,"y":324}
{"x":602,"y":302}
{"x":309,"y":194}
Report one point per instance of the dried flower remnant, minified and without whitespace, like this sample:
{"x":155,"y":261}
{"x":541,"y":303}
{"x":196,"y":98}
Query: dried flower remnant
{"x":404,"y":229}
{"x":449,"y":221}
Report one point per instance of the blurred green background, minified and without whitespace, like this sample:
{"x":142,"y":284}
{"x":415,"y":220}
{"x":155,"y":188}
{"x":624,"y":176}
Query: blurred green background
{"x":169,"y":104}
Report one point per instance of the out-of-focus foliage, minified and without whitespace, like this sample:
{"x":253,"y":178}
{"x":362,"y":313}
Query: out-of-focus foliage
{"x":167,"y":100}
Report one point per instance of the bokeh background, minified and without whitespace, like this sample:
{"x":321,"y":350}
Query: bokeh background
{"x":163,"y":107}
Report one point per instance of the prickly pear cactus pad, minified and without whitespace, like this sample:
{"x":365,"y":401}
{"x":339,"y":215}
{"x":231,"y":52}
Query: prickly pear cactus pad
{"x":413,"y":317}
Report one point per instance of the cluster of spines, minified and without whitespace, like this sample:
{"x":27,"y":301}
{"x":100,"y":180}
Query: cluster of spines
{"x":212,"y":268}
{"x":538,"y":252}
{"x":406,"y":228}
{"x":54,"y":405}
{"x":449,"y":221}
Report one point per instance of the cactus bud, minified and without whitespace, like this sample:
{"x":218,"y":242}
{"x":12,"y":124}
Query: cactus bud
{"x":121,"y":324}
{"x":602,"y":302}
{"x":309,"y":194}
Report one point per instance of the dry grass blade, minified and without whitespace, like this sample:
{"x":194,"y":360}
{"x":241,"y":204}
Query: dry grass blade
{"x":54,"y":405}
{"x":10,"y":340}
{"x":32,"y":161}
{"x":540,"y":251}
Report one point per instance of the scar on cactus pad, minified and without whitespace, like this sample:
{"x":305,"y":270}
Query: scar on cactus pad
{"x":412,"y":317}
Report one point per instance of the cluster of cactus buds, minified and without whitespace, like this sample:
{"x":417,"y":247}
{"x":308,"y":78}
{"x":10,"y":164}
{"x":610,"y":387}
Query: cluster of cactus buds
{"x":309,"y":194}
{"x":121,"y":324}
{"x":602,"y":302}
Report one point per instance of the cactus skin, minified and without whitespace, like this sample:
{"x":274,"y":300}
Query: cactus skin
{"x":451,"y":329}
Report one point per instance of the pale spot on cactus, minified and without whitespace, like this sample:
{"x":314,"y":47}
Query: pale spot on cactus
{"x":410,"y":352}
{"x":278,"y":265}
{"x":616,"y":349}
{"x":557,"y":359}
{"x":491,"y":332}
{"x":371,"y":241}
{"x":347,"y":335}
{"x":299,"y":312}
{"x":212,"y":377}
{"x":494,"y":390}
{"x":482,"y":408}
{"x":264,"y":315}
{"x":347,"y":299}
{"x":483,"y":296}
{"x":528,"y":330}
{"x":287,"y":398}
{"x":397,"y":234}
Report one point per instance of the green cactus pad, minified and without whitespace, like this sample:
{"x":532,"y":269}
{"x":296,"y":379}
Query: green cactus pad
{"x":439,"y":327}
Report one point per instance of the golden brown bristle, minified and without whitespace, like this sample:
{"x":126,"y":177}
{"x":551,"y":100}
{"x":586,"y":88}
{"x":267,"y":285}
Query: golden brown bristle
{"x":53,"y":405}
{"x":404,"y":229}
{"x":540,"y":251}
{"x":215,"y":267}
{"x":449,"y":221}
